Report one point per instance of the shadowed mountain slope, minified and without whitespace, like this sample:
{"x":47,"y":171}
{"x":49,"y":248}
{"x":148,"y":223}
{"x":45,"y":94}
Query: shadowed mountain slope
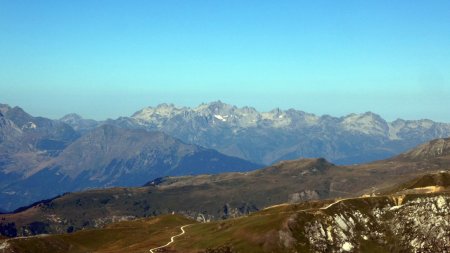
{"x":41,"y":158}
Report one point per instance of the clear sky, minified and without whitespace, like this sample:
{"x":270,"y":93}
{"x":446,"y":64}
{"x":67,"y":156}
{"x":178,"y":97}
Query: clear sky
{"x":110,"y":58}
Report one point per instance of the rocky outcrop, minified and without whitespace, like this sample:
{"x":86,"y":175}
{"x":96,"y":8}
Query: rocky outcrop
{"x":418,"y":224}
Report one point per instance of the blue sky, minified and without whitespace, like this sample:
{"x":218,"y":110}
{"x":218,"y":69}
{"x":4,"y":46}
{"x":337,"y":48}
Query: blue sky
{"x":110,"y":58}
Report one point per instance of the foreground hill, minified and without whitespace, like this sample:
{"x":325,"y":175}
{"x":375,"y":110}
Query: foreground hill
{"x":268,"y":137}
{"x":126,"y":236}
{"x":396,"y":222}
{"x":41,"y":158}
{"x":228,"y":195}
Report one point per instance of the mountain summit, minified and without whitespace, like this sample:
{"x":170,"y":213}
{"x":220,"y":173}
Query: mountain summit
{"x":286,"y":134}
{"x":41,"y":158}
{"x":433,"y":149}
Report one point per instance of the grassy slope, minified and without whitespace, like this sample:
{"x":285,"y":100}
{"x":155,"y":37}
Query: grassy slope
{"x":252,"y":233}
{"x":130,"y":236}
{"x":258,"y":232}
{"x":209,"y":193}
{"x":261,"y":232}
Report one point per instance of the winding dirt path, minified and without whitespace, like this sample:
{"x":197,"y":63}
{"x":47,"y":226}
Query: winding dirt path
{"x":172,"y":239}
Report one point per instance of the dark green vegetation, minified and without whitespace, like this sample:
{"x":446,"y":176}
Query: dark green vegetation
{"x":212,"y":197}
{"x":387,"y":223}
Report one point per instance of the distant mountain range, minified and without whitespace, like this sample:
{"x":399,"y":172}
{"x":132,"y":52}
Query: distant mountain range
{"x":268,"y":137}
{"x":41,"y":158}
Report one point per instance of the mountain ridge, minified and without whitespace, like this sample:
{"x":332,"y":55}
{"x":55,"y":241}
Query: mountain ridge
{"x":281,"y":134}
{"x":41,"y":158}
{"x":287,"y":134}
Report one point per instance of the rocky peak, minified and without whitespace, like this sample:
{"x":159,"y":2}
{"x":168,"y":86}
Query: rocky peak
{"x":433,"y":149}
{"x":79,"y":123}
{"x":216,"y":108}
{"x":18,"y":116}
{"x":4,"y":108}
{"x":166,"y":107}
{"x":364,"y":117}
{"x":160,"y":111}
{"x":71,"y":117}
{"x":249,"y":110}
{"x":366,"y":123}
{"x":218,"y":105}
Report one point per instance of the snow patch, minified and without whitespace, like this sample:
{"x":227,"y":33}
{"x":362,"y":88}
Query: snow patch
{"x":220,"y":117}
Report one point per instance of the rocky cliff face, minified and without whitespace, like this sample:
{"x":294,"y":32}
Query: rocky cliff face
{"x":402,"y":221}
{"x":414,"y":224}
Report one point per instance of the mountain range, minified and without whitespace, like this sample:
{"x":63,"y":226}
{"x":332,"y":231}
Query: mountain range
{"x":268,"y":137}
{"x":72,"y":166}
{"x":41,"y":158}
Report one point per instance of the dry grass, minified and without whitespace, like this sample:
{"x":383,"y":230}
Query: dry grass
{"x":130,"y":236}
